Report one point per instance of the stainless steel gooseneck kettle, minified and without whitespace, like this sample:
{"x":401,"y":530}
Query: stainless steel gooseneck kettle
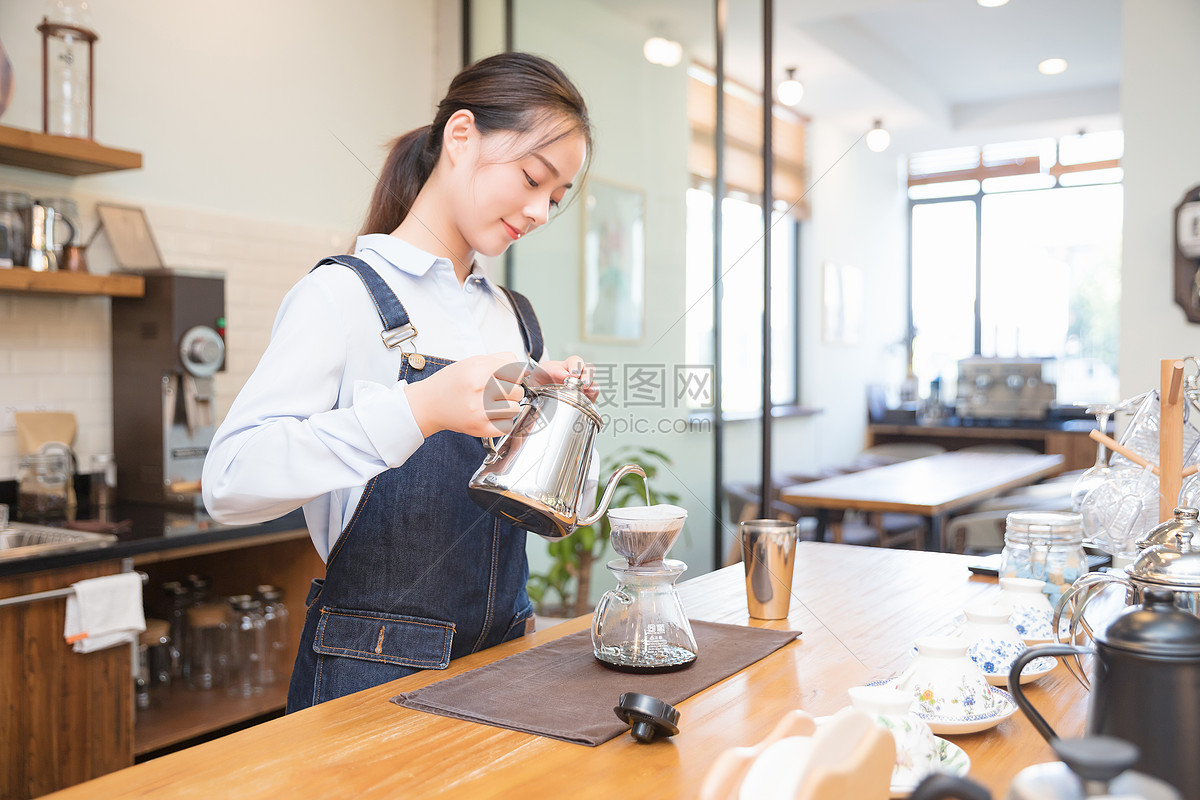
{"x":535,"y":475}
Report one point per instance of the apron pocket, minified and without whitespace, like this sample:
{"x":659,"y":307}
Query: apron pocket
{"x":359,"y":650}
{"x":384,"y":638}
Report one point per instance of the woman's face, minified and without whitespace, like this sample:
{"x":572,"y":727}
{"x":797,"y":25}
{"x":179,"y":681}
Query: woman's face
{"x":506,"y":197}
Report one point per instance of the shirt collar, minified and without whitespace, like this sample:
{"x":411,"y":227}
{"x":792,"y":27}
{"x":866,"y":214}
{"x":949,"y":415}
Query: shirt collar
{"x":414,"y":260}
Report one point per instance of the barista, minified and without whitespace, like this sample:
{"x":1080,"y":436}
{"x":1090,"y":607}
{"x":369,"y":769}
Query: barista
{"x":377,"y":439}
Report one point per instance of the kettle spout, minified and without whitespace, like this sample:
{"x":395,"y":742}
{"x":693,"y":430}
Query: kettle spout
{"x":602,"y":506}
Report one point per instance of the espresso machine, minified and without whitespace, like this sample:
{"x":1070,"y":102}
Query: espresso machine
{"x":166,"y":348}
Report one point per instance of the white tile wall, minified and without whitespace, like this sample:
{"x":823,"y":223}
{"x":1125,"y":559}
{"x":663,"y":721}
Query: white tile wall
{"x":54,"y":352}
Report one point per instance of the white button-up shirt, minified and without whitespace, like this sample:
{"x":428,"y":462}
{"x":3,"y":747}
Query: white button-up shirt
{"x":323,"y":412}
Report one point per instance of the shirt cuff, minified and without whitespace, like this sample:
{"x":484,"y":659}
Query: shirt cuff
{"x":387,"y":419}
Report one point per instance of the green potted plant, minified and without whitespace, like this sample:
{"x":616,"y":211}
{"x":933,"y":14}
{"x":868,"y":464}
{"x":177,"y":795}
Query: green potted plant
{"x":570,"y":571}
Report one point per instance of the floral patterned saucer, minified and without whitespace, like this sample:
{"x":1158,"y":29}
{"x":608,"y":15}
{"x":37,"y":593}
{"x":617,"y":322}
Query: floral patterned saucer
{"x":993,"y":709}
{"x":994,"y":659}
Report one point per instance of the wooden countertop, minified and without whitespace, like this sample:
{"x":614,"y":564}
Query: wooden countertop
{"x":859,"y":610}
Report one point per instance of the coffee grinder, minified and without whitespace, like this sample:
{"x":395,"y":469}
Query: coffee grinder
{"x":165,"y":351}
{"x":640,"y":626}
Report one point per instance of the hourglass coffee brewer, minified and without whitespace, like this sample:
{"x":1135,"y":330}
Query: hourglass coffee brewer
{"x":640,"y":626}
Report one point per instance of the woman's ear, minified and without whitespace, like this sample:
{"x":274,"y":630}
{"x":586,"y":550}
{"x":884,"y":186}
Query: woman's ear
{"x":460,"y":135}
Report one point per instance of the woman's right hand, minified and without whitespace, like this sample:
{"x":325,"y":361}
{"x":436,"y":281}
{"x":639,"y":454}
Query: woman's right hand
{"x":478,"y":396}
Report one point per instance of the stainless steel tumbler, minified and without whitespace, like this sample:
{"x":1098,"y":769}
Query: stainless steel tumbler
{"x":769,"y":556}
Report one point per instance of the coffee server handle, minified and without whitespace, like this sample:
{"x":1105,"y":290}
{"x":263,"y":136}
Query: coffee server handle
{"x":602,"y":506}
{"x":1014,"y":681}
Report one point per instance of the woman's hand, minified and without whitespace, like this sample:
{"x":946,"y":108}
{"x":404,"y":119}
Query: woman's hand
{"x":478,"y":396}
{"x":552,"y":372}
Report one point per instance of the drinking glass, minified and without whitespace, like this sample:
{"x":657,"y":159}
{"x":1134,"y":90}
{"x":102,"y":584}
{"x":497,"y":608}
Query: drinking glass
{"x":1096,"y":474}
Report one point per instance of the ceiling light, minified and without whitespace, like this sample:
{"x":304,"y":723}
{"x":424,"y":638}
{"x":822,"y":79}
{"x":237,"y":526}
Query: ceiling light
{"x":878,"y":139}
{"x":791,"y":90}
{"x":992,"y":3}
{"x":1053,"y":66}
{"x":658,"y":50}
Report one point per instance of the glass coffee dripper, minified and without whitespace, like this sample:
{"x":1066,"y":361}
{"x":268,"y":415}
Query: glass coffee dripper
{"x":640,"y":626}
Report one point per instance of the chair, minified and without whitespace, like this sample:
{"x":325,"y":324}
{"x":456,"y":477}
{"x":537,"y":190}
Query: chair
{"x":881,"y":455}
{"x":999,"y":447}
{"x":871,"y":529}
{"x":743,"y":503}
{"x":982,"y":529}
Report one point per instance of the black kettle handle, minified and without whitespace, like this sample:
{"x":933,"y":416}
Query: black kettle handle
{"x":939,"y":786}
{"x":1014,"y":681}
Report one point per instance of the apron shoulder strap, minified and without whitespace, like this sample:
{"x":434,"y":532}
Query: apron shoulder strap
{"x":397,"y":328}
{"x":531,"y":331}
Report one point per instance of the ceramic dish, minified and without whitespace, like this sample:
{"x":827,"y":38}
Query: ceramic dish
{"x":973,"y":723}
{"x":994,"y":659}
{"x":953,"y":761}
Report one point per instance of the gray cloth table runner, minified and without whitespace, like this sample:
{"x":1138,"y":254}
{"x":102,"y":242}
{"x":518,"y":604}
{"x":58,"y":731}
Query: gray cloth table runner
{"x":560,"y":690}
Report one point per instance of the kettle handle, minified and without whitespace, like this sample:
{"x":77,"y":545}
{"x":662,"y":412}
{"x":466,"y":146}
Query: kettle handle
{"x":1014,"y":681}
{"x":602,"y":506}
{"x":1071,"y":607}
{"x":492,"y":443}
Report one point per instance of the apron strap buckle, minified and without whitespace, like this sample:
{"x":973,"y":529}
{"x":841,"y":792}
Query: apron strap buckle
{"x":395,"y":337}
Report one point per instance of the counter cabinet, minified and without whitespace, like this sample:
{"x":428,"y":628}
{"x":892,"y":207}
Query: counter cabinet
{"x":67,"y":717}
{"x":1078,"y":451}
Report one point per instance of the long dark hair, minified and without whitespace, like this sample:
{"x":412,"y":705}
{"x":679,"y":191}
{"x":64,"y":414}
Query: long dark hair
{"x":511,"y":92}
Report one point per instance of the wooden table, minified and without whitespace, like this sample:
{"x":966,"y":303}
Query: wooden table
{"x":931,"y":487}
{"x":859,"y":610}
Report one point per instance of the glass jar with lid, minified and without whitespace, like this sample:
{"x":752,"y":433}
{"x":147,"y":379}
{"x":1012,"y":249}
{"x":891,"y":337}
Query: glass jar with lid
{"x":43,"y":486}
{"x":1046,"y":545}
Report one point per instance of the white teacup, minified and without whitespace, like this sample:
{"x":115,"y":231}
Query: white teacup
{"x":944,"y":682}
{"x":1032,"y":612}
{"x":917,"y":751}
{"x":993,"y":643}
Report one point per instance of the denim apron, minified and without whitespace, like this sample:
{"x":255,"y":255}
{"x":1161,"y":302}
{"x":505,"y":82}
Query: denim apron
{"x":421,"y":574}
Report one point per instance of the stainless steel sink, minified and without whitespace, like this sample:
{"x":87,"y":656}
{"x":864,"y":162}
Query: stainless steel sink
{"x":20,"y":540}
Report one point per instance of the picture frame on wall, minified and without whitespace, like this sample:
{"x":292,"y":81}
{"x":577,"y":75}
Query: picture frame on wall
{"x":614,"y":262}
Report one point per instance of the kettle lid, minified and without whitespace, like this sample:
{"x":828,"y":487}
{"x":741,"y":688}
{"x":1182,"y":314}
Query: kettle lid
{"x":1165,"y":533}
{"x":1155,"y":628}
{"x":571,"y":391}
{"x":1176,"y":564}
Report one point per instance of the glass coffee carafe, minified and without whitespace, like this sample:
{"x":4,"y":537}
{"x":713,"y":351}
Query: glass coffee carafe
{"x":640,"y":626}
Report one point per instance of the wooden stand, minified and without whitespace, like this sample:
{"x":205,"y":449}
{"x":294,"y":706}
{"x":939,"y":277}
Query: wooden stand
{"x":1170,"y":437}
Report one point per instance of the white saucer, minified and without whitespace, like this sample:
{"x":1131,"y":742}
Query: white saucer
{"x":953,"y":761}
{"x":969,"y":724}
{"x":1033,"y":670}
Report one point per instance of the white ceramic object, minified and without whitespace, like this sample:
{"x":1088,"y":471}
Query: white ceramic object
{"x":1032,"y":613}
{"x":951,"y":760}
{"x":778,"y":771}
{"x":945,"y":685}
{"x":917,"y":751}
{"x":995,"y":643}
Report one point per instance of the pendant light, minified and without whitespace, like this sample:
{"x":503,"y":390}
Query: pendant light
{"x":878,"y":138}
{"x":791,"y":90}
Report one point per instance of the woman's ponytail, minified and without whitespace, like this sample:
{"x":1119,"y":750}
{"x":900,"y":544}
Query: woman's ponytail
{"x":409,"y":164}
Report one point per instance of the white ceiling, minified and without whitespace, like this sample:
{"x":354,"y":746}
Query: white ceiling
{"x":938,"y":72}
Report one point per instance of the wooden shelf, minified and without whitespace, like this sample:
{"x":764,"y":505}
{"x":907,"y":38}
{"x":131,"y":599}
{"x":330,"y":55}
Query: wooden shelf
{"x":184,"y":714}
{"x":65,"y":155}
{"x":19,"y":279}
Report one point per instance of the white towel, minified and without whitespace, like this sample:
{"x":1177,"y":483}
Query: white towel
{"x":104,"y":612}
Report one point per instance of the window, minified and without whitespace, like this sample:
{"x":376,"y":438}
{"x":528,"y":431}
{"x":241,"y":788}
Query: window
{"x":742,"y":301}
{"x":1016,"y":253}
